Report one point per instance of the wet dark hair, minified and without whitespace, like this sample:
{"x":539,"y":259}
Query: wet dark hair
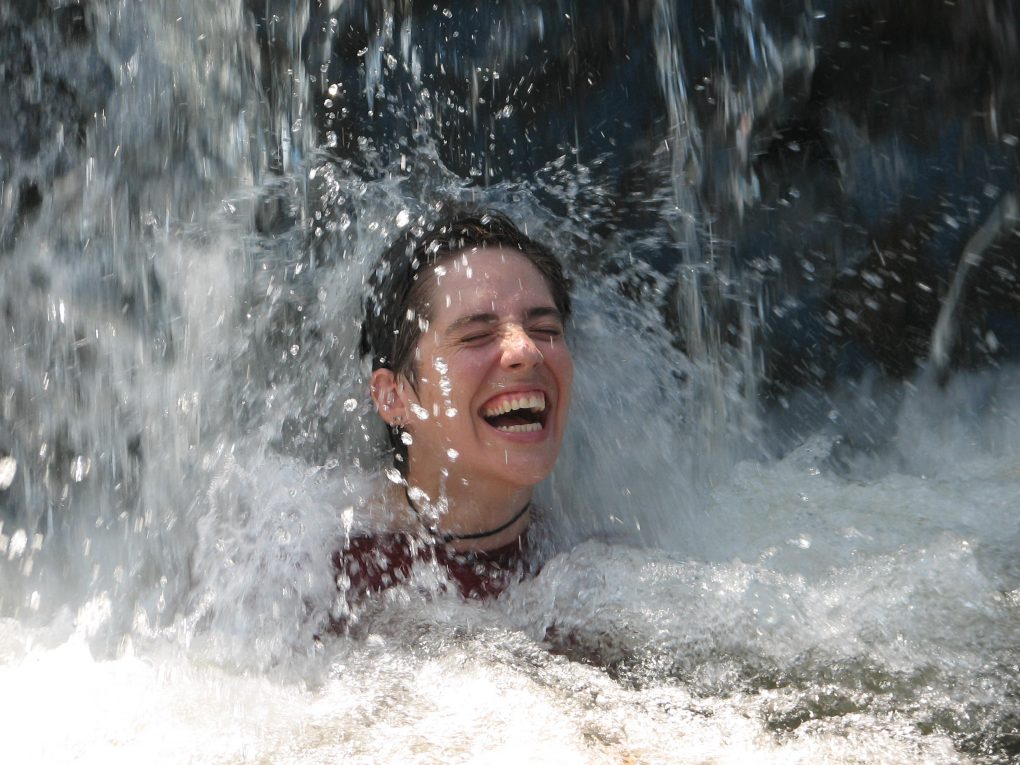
{"x":398,"y":296}
{"x":398,"y":286}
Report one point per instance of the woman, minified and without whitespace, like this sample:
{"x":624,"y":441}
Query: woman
{"x":470,"y":372}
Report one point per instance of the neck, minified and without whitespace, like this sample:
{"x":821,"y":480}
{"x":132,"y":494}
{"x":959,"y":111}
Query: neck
{"x":471,"y":519}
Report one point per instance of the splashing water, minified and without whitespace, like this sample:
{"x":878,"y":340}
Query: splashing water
{"x":187,"y":436}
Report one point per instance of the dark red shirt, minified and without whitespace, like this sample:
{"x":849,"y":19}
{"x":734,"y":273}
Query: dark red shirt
{"x":372,"y":564}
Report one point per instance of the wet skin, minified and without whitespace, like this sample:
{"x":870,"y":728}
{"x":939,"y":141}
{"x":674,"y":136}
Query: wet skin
{"x":493,"y":339}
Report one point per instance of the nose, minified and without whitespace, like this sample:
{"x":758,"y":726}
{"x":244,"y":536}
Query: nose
{"x":519,"y":350}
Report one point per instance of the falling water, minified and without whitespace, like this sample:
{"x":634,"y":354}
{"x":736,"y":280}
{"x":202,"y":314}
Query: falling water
{"x":185,"y":434}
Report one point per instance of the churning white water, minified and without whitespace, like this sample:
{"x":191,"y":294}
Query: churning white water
{"x":811,"y":619}
{"x":190,"y":435}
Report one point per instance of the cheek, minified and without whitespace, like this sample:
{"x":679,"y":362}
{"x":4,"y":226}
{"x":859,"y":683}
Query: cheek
{"x":465,"y":376}
{"x":560,"y":360}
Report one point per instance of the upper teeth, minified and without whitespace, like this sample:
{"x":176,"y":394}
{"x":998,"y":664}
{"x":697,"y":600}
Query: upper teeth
{"x":532,"y":401}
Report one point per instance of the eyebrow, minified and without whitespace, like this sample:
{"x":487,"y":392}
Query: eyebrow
{"x":539,"y":312}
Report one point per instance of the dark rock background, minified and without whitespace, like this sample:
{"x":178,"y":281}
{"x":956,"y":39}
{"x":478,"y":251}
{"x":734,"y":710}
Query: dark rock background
{"x":845,"y":152}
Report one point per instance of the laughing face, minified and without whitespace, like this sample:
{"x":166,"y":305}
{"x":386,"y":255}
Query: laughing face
{"x":487,"y":405}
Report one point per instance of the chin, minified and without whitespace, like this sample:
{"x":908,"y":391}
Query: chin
{"x":526,"y":473}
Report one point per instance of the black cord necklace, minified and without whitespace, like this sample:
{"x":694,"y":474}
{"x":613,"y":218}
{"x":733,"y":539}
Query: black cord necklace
{"x":475,"y":535}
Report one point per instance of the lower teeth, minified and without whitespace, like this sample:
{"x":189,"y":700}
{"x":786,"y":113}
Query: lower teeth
{"x":529,"y":428}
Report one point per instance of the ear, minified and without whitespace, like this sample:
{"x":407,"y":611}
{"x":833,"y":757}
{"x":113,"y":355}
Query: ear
{"x":389,"y":393}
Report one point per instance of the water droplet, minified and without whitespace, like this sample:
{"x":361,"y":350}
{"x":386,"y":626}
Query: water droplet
{"x":350,"y":404}
{"x":406,"y":439}
{"x":17,"y":544}
{"x":8,"y":469}
{"x":453,"y":454}
{"x":419,"y":411}
{"x":451,"y":411}
{"x":80,"y":468}
{"x":394,"y":475}
{"x":403,"y":218}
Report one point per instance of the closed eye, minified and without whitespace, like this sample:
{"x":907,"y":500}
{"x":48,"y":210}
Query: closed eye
{"x":547,"y":332}
{"x":476,"y":338}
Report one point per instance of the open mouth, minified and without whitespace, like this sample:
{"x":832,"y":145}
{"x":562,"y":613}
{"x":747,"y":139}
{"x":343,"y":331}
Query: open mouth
{"x":516,"y":412}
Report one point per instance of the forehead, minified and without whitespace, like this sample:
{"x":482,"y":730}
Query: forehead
{"x":488,"y":278}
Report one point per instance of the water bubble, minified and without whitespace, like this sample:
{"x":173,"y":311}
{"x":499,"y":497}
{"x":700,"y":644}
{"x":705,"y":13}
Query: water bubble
{"x":350,"y":404}
{"x":415,"y":494}
{"x":403,"y":218}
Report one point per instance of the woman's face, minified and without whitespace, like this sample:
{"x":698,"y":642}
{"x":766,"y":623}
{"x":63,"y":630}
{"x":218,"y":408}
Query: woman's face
{"x":492,"y":376}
